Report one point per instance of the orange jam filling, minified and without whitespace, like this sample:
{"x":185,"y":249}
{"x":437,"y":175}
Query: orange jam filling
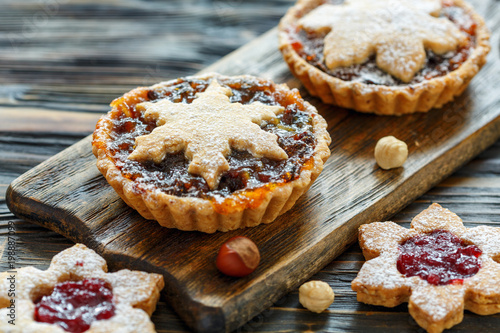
{"x":249,"y":179}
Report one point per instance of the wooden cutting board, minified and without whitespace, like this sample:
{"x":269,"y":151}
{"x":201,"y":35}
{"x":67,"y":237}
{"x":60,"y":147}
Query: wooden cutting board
{"x":68,"y":195}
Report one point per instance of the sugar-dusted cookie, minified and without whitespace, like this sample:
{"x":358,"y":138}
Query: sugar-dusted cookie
{"x":76,"y":294}
{"x":438,"y":266}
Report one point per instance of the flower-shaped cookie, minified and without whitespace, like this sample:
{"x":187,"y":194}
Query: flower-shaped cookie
{"x":434,"y":304}
{"x":134,"y":293}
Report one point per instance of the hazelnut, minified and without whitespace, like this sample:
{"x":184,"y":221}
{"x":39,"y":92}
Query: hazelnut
{"x":316,"y":296}
{"x":238,"y":257}
{"x":390,"y":152}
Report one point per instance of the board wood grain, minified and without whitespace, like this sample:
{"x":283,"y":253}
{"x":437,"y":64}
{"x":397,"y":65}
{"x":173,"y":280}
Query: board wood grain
{"x":68,"y":195}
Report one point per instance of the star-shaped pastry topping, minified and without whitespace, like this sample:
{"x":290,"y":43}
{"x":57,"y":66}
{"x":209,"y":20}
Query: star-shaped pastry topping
{"x":206,"y":130}
{"x":135,"y":293}
{"x":434,"y":307}
{"x":397,"y":31}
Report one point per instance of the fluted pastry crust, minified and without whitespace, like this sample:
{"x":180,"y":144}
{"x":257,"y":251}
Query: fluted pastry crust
{"x":381,"y":99}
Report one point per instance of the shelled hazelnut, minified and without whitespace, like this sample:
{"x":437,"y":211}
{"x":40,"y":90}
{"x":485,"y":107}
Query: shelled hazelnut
{"x":390,"y":152}
{"x":316,"y":296}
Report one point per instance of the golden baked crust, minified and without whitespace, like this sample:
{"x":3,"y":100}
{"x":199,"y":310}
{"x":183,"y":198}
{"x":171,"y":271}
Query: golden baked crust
{"x":434,"y":307}
{"x":135,"y":293}
{"x":382,"y":99}
{"x":242,"y":208}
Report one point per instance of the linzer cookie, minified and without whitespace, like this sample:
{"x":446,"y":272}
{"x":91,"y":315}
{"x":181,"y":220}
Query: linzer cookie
{"x":211,"y":152}
{"x":76,"y":294}
{"x":438,"y":266}
{"x":387,"y":56}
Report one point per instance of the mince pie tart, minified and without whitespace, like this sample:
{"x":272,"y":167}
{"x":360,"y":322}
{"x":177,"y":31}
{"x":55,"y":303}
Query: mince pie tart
{"x":211,"y":152}
{"x":388,"y":57}
{"x":76,"y":294}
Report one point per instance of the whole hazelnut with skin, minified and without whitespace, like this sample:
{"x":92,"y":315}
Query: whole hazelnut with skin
{"x":390,"y":152}
{"x":238,"y":257}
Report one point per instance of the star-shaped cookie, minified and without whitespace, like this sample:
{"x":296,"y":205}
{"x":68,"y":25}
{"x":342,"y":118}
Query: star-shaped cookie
{"x":435,"y":307}
{"x":397,"y":31}
{"x":206,"y":130}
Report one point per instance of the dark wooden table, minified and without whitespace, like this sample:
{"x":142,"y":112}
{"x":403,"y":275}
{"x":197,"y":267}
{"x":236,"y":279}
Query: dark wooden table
{"x":63,"y":61}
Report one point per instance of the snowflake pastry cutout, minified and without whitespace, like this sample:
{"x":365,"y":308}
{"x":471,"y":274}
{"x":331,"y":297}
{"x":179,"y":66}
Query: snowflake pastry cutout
{"x":396,"y":31}
{"x":206,"y":130}
{"x":434,"y":307}
{"x":135,"y":293}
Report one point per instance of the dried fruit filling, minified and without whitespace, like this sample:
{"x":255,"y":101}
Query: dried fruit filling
{"x":293,"y":127}
{"x":439,"y":258}
{"x":74,"y":305}
{"x":309,"y":45}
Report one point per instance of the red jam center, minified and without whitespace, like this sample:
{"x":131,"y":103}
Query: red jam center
{"x":75,"y":305}
{"x":439,"y":258}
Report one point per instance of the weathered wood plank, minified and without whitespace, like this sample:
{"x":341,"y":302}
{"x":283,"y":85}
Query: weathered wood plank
{"x":36,"y":120}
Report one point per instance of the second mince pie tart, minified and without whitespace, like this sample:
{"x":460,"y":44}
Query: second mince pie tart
{"x":211,"y":152}
{"x":384,"y":56}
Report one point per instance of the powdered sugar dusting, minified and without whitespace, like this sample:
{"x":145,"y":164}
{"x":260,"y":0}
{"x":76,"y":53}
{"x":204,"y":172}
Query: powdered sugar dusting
{"x":485,"y":284}
{"x":437,"y":306}
{"x":437,"y":217}
{"x":134,"y":287}
{"x":487,"y":238}
{"x":438,"y":302}
{"x":125,"y":320}
{"x":381,"y":273}
{"x":206,"y":130}
{"x":378,"y":237}
{"x":78,"y":262}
